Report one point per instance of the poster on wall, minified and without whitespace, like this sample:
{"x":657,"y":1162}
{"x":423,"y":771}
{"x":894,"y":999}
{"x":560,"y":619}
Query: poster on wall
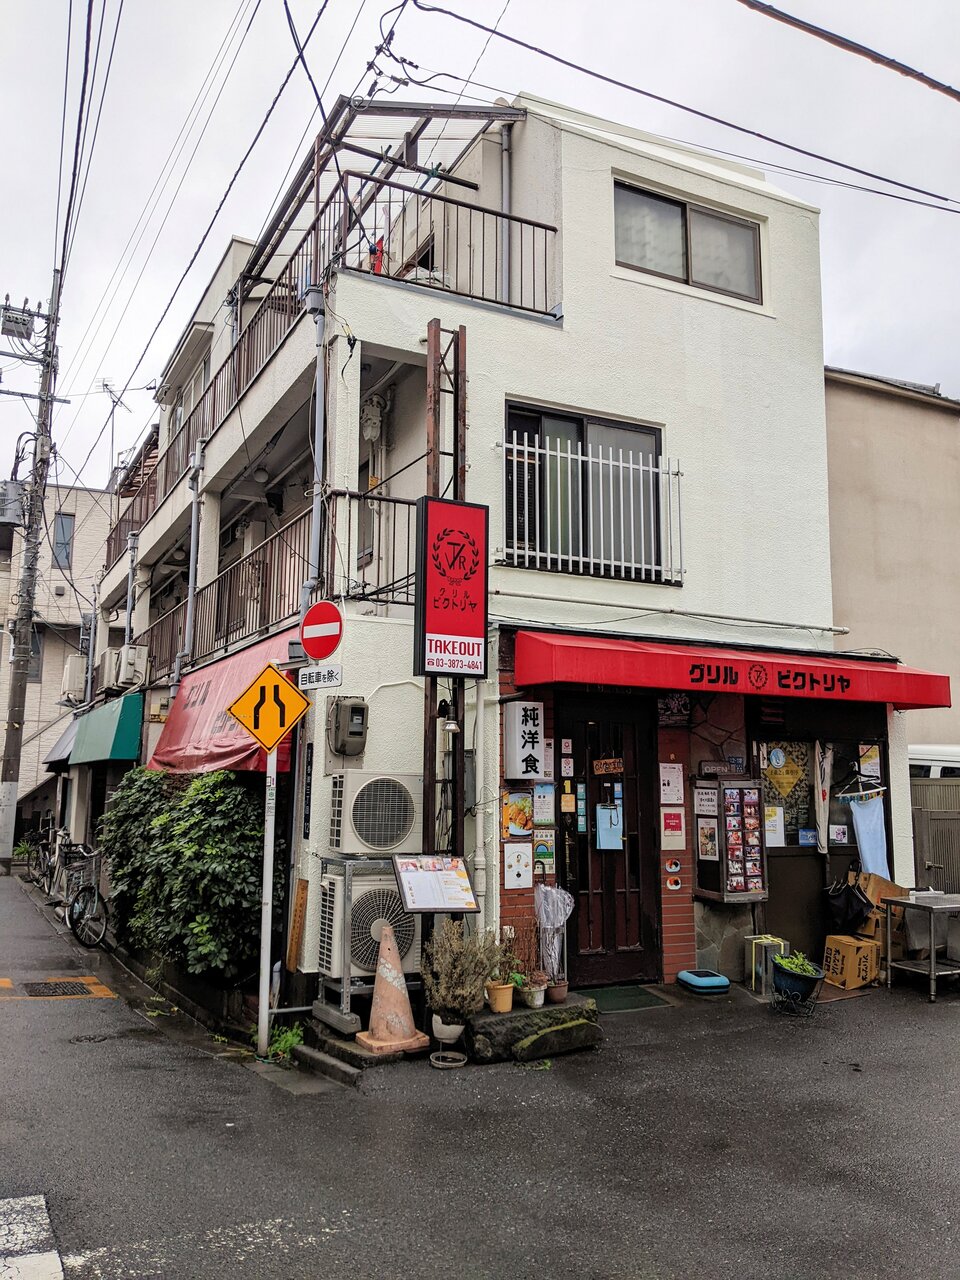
{"x":544,"y":847}
{"x":544,"y":808}
{"x":708,"y":843}
{"x":450,"y":615}
{"x":518,"y":865}
{"x":671,"y":784}
{"x":673,"y":830}
{"x":705,"y":800}
{"x":869,"y":762}
{"x":516,"y":814}
{"x":773,"y":826}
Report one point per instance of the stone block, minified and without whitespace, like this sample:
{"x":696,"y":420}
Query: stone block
{"x":565,"y":1037}
{"x":492,"y":1037}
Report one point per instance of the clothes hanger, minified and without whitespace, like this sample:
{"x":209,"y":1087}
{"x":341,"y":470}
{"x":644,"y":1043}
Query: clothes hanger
{"x":862,"y":791}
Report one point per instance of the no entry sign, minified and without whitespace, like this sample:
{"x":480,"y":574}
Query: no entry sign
{"x":321,"y":630}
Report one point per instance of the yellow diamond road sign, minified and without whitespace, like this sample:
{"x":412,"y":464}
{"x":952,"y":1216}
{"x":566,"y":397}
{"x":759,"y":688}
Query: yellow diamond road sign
{"x":270,"y":707}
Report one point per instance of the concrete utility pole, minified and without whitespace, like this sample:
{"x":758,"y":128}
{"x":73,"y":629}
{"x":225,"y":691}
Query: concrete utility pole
{"x":27,"y":590}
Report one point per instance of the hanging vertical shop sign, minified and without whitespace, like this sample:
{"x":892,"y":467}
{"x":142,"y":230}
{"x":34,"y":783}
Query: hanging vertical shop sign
{"x":524,"y":754}
{"x":450,"y":630}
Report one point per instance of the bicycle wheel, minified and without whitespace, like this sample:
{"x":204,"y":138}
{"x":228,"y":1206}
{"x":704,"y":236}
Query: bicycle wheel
{"x":87,"y":916}
{"x":49,"y":874}
{"x":35,"y":863}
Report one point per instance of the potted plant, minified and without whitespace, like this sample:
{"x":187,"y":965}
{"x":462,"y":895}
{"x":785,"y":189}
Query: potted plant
{"x":455,"y":968}
{"x":503,"y":981}
{"x":794,"y":976}
{"x":557,"y":988}
{"x":533,"y":988}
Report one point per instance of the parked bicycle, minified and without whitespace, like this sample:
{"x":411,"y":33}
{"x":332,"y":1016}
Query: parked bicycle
{"x":37,"y":844}
{"x":88,"y":912}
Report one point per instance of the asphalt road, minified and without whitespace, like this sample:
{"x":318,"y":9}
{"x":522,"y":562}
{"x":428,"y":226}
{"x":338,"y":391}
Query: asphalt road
{"x":703,"y":1140}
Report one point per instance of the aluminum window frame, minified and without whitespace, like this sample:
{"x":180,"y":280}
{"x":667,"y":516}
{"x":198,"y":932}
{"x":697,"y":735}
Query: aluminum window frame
{"x":685,"y":206}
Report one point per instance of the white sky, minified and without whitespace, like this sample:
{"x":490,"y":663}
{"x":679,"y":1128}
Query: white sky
{"x":890,"y":270}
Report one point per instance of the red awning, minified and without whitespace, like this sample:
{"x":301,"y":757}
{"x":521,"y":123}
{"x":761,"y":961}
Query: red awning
{"x":200,"y":735}
{"x":552,"y":658}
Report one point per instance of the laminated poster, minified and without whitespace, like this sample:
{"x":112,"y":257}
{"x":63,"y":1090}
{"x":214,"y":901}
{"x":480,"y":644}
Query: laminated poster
{"x":671,"y":784}
{"x":708,"y":845}
{"x":705,"y":800}
{"x":773,"y":825}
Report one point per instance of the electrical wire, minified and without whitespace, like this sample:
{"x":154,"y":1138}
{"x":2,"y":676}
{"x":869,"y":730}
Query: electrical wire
{"x":852,"y":46}
{"x":96,"y":126}
{"x":63,"y":128}
{"x":680,"y":106}
{"x":771,"y":166}
{"x":216,"y":213}
{"x":486,"y":46}
{"x":151,"y":204}
{"x":75,"y":168}
{"x":153,"y":245}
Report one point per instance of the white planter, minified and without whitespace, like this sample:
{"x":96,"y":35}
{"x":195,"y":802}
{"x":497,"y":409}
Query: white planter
{"x":446,"y":1032}
{"x":532,"y":997}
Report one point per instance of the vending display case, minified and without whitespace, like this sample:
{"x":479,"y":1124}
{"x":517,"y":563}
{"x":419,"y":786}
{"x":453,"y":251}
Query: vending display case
{"x":731,"y":852}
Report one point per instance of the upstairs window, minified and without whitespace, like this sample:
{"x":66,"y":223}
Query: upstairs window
{"x":685,"y":242}
{"x":63,"y":540}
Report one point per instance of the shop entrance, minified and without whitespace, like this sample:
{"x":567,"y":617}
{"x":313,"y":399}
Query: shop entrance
{"x":607,"y":857}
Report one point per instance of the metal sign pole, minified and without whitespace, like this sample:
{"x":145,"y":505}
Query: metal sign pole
{"x":266,"y":906}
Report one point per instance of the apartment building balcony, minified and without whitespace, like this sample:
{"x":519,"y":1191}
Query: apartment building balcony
{"x":603,"y":510}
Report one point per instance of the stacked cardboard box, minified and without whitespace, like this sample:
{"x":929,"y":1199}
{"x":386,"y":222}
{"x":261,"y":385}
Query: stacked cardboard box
{"x":850,"y":962}
{"x":875,"y":925}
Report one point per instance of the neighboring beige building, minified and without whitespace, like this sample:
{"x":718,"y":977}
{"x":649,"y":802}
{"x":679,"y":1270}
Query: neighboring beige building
{"x":894,"y":475}
{"x":71,"y":560}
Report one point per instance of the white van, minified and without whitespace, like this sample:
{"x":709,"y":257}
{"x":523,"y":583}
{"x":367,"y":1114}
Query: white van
{"x":934,"y":761}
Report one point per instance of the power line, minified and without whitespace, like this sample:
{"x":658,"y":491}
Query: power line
{"x":486,"y":46}
{"x":96,"y":126}
{"x":852,"y":46}
{"x":75,"y":169}
{"x":680,"y":106}
{"x":63,"y":126}
{"x":216,"y":214}
{"x":159,"y":186}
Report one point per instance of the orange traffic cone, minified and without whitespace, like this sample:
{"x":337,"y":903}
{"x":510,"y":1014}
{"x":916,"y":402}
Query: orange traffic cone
{"x":391,"y":1018}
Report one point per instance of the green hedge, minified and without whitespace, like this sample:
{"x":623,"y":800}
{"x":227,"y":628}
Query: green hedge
{"x":185,"y":857}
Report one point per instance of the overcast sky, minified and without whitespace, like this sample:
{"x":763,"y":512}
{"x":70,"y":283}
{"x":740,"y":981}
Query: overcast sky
{"x":890,"y":270}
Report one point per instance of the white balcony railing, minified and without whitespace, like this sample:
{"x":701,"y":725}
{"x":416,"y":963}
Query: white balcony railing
{"x":600,"y":511}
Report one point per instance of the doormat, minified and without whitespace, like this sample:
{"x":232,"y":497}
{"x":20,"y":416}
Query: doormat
{"x":829,"y":993}
{"x":622,"y":999}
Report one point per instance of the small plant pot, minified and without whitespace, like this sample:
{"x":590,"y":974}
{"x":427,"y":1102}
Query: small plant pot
{"x":795,"y":986}
{"x":557,"y":992}
{"x":532,"y":997}
{"x":446,"y":1032}
{"x":500,"y":996}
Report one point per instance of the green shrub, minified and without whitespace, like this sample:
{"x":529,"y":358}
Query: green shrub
{"x":185,"y":865}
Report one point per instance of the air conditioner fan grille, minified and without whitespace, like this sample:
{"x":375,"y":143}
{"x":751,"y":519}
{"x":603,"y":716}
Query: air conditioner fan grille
{"x":372,"y":910}
{"x":383,"y":813}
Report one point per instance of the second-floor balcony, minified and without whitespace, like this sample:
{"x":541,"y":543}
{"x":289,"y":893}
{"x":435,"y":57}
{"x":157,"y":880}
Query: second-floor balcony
{"x":578,"y":506}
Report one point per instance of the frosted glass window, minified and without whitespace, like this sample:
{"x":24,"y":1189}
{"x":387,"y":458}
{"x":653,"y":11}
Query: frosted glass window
{"x":723,"y":254}
{"x":649,"y":232}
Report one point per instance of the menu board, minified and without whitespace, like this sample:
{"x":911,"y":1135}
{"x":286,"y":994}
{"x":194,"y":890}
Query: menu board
{"x":434,"y":883}
{"x":731,"y":853}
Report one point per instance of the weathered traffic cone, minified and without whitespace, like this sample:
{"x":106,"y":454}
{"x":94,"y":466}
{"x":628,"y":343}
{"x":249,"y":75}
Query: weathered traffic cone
{"x":391,"y":1018}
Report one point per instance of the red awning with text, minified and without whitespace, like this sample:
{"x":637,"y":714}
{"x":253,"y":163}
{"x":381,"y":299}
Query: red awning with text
{"x":543,"y":658}
{"x":200,"y":735}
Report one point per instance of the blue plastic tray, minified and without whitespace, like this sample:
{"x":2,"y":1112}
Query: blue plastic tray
{"x":703,"y":980}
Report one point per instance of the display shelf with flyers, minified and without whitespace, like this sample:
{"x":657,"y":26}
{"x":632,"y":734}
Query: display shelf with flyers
{"x":731,"y":853}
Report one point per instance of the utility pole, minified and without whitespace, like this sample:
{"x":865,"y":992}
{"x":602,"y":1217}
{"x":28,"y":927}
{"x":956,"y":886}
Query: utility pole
{"x":27,"y":590}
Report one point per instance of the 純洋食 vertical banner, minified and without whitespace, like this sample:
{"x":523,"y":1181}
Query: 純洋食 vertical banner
{"x":451,"y":590}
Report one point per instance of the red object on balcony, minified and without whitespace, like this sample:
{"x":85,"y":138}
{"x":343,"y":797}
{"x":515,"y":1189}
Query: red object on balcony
{"x":555,"y":658}
{"x":199,"y":735}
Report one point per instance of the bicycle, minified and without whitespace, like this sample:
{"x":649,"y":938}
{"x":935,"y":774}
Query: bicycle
{"x":63,"y":864}
{"x":38,"y":851}
{"x":87,"y":911}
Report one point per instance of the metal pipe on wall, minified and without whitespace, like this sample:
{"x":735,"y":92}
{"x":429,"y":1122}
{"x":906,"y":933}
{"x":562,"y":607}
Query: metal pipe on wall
{"x":506,"y":139}
{"x":91,"y":646}
{"x":133,"y":541}
{"x":189,"y":622}
{"x":314,"y":301}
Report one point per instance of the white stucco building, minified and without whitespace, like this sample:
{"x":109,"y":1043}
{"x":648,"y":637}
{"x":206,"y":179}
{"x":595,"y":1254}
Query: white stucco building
{"x":643,"y":380}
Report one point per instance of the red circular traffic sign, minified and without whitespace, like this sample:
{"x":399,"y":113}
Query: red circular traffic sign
{"x":321,"y":630}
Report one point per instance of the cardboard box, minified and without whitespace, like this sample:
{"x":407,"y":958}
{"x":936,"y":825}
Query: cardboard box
{"x":851,"y":962}
{"x":758,"y":948}
{"x":876,"y":887}
{"x":875,"y":925}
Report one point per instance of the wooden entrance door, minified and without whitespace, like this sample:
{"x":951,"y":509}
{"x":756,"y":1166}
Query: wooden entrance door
{"x":613,"y":934}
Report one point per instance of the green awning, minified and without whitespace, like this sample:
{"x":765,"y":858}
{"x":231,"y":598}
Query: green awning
{"x":111,"y":732}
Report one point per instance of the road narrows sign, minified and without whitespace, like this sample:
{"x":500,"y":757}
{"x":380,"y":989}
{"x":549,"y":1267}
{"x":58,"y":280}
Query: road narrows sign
{"x":269,"y":707}
{"x":321,"y":630}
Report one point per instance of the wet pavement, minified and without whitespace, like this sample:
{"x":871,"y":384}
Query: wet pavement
{"x":704,"y":1140}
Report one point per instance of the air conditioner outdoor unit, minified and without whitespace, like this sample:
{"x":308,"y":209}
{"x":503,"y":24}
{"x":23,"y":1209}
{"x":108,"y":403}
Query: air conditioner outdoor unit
{"x":376,"y":815}
{"x":122,"y":668}
{"x":74,"y":684}
{"x":375,"y":902}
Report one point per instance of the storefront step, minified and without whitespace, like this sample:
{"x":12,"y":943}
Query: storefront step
{"x":321,"y":1038}
{"x":525,"y":1035}
{"x":322,"y":1064}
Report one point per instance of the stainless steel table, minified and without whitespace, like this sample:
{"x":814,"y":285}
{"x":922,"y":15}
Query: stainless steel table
{"x":935,"y":904}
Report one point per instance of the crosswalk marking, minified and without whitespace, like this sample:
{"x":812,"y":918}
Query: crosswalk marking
{"x":28,"y":1250}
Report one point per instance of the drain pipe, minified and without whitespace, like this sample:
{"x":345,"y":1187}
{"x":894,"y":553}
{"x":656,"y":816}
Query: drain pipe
{"x":186,"y":650}
{"x":506,"y":138}
{"x":479,"y":815}
{"x":91,"y":644}
{"x":133,"y":541}
{"x":315,"y":305}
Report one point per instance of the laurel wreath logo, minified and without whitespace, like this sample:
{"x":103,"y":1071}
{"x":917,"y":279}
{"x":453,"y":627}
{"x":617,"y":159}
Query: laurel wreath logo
{"x":468,"y":561}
